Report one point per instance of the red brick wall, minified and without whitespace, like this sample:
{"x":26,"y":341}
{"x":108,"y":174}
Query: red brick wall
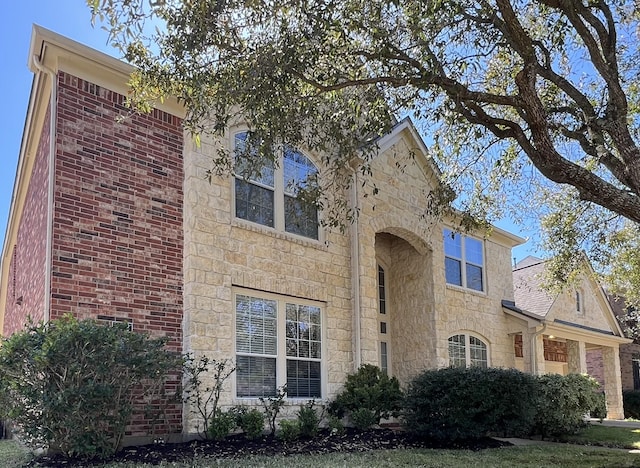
{"x":555,"y":350}
{"x":117,"y":234}
{"x":627,"y":352}
{"x":595,"y":366}
{"x":27,"y":266}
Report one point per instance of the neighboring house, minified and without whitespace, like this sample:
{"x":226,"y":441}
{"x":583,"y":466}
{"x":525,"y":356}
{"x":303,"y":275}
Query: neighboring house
{"x":630,"y":352}
{"x":114,"y":219}
{"x":571,"y":331}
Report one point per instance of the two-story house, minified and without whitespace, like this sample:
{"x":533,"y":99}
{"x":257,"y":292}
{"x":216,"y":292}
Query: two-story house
{"x":115,"y":219}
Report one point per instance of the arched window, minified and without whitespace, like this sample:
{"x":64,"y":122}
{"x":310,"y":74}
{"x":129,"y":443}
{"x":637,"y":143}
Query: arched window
{"x":467,"y":350}
{"x":270,"y":195}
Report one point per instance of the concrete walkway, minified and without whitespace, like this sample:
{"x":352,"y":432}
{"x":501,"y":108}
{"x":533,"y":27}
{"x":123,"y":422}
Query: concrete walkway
{"x":616,"y":423}
{"x":605,"y":422}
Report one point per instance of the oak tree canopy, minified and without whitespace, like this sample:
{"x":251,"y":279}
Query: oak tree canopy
{"x":529,"y":107}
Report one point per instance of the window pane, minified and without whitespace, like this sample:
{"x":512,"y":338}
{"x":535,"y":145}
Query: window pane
{"x":250,"y":165}
{"x":256,"y":325}
{"x":473,"y":251}
{"x":457,"y":351}
{"x":303,"y":379}
{"x":453,"y":271}
{"x":384,"y":357}
{"x":477,"y":352}
{"x":300,"y":218}
{"x":299,"y":171}
{"x":452,"y":244}
{"x":303,"y":329}
{"x":254,"y":203}
{"x":474,"y":277}
{"x":255,"y":376}
{"x":382,"y":303}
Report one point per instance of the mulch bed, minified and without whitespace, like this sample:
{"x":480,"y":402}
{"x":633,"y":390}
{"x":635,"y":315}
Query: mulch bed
{"x":237,"y":446}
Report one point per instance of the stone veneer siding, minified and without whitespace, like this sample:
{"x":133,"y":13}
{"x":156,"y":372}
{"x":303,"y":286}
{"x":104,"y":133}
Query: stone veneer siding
{"x":27,"y":267}
{"x":223,"y":253}
{"x":117,"y":232}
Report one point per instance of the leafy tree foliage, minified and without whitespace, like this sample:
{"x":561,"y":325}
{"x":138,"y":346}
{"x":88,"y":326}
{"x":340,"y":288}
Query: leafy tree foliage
{"x":72,"y":385}
{"x":524,"y":102}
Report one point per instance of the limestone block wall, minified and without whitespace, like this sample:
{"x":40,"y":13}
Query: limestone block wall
{"x":395,"y":230}
{"x":479,"y":313}
{"x":222,"y":253}
{"x":594,"y":312}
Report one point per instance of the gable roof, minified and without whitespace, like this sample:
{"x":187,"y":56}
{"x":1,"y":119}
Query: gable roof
{"x":528,"y":292}
{"x":533,"y":302}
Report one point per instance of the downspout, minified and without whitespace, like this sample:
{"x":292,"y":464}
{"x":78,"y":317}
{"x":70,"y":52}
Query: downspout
{"x":534,"y":361}
{"x":52,"y":146}
{"x":355,"y":273}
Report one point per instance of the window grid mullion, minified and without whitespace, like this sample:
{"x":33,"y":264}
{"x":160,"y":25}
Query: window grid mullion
{"x":463,"y":264}
{"x":278,"y":195}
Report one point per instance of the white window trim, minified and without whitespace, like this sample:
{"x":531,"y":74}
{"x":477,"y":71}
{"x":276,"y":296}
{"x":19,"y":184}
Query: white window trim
{"x":278,"y":198}
{"x":463,"y":261}
{"x":281,"y":357}
{"x":467,"y":348}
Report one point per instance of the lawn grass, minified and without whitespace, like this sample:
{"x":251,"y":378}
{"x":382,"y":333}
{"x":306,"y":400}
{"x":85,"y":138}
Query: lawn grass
{"x":568,"y":456}
{"x":547,"y":455}
{"x":608,"y":436}
{"x":12,"y":454}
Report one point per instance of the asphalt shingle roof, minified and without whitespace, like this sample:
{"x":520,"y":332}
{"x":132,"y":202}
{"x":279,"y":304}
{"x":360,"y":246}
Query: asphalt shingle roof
{"x":528,"y":292}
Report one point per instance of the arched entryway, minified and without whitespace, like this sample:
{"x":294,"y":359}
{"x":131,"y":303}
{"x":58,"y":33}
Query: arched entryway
{"x":405,"y":325}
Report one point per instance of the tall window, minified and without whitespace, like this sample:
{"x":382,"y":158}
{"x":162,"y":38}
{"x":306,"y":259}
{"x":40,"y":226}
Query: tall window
{"x":271,"y":194}
{"x":467,"y":351}
{"x":278,"y":341}
{"x":463,"y":261}
{"x":579,"y":302}
{"x":383,"y":320}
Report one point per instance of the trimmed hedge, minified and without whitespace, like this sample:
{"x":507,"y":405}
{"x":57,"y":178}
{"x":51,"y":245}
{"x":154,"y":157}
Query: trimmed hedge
{"x":563,"y":402}
{"x":458,"y":403}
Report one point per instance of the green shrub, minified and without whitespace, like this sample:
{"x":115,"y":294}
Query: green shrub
{"x":250,"y":421}
{"x":71,"y":383}
{"x":363,"y":419}
{"x":563,"y":402}
{"x":600,"y":409}
{"x":289,"y":430}
{"x":368,"y":389}
{"x":458,"y":403}
{"x":308,"y":420}
{"x":631,"y":401}
{"x":221,"y":425}
{"x":335,"y":425}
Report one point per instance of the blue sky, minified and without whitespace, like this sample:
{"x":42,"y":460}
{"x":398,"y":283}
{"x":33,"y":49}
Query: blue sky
{"x":70,"y":18}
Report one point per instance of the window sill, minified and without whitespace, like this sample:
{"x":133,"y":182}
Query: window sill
{"x":462,"y":289}
{"x":259,"y":228}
